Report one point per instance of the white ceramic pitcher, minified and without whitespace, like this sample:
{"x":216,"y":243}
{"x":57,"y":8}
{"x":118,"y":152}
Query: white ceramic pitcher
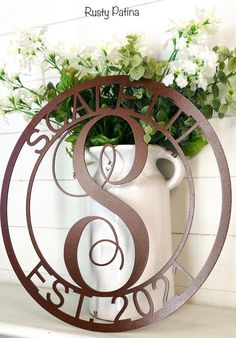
{"x":149,"y":196}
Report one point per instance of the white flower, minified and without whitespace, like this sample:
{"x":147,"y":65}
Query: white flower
{"x":41,"y":90}
{"x":202,"y":38}
{"x":181,"y":43}
{"x":208,"y":71}
{"x":195,"y":62}
{"x":181,"y":81}
{"x":113,"y":54}
{"x":194,"y":50}
{"x":24,"y":95}
{"x":208,"y":55}
{"x":212,"y":59}
{"x":203,"y":15}
{"x":27,"y":47}
{"x":5,"y":105}
{"x":175,"y":66}
{"x":202,"y":82}
{"x":189,"y":66}
{"x":168,"y":79}
{"x":62,"y":54}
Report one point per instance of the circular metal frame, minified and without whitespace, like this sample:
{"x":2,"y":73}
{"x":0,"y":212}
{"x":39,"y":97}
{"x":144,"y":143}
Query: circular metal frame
{"x":138,"y":232}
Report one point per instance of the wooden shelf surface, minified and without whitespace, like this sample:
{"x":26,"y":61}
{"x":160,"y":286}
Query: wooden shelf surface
{"x":21,"y":316}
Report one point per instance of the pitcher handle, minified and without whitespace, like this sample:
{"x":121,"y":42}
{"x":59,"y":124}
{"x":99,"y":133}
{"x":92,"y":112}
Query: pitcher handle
{"x":178,"y":169}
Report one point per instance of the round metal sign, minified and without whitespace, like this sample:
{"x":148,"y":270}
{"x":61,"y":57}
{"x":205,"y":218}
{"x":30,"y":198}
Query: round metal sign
{"x":135,"y":301}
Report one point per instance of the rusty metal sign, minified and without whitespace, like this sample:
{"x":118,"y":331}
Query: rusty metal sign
{"x":68,"y":299}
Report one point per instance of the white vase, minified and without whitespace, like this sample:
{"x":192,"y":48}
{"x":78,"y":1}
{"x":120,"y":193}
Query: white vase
{"x":149,"y":196}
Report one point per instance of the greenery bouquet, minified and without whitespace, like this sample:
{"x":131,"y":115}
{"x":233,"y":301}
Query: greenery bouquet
{"x":202,"y":73}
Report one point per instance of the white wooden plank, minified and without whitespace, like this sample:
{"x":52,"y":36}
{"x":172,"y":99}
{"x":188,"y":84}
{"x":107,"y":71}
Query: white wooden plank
{"x":8,"y":276}
{"x":208,"y":206}
{"x":7,"y":23}
{"x":58,"y":209}
{"x":64,"y":165}
{"x":5,"y":264}
{"x":50,"y":208}
{"x":12,"y":123}
{"x":25,"y":14}
{"x":222,"y":278}
{"x":204,"y":164}
{"x":50,"y":242}
{"x":195,"y":253}
{"x":31,"y":321}
{"x":51,"y":245}
{"x":226,"y":130}
{"x":209,"y":297}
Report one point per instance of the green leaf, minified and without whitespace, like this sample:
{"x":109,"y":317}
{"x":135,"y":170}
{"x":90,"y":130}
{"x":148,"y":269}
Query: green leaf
{"x":223,"y":108}
{"x":126,"y":61}
{"x":201,"y":96}
{"x":189,"y":122}
{"x":193,"y":147}
{"x":147,"y":138}
{"x":161,"y":115}
{"x":232,"y":64}
{"x":222,"y":77}
{"x":100,"y":140}
{"x":144,"y":110}
{"x":148,"y":93}
{"x":221,"y":115}
{"x":136,"y":60}
{"x":136,"y":73}
{"x":207,"y":111}
{"x":223,"y":53}
{"x":132,"y":38}
{"x":138,"y":92}
{"x":188,"y":92}
{"x":222,"y":65}
{"x":149,"y":73}
{"x":114,"y":68}
{"x":148,"y":129}
{"x":72,"y":138}
{"x":64,"y":84}
{"x":216,"y":104}
{"x":154,"y":131}
{"x":215,"y":90}
{"x":160,"y":67}
{"x":59,"y":115}
{"x":104,"y":105}
{"x":73,"y":72}
{"x":50,"y":91}
{"x":151,"y":62}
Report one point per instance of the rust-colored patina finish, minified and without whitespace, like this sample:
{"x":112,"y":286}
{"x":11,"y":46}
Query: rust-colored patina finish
{"x":40,"y":143}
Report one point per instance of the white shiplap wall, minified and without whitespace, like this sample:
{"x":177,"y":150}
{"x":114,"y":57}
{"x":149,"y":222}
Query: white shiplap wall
{"x":66,"y":23}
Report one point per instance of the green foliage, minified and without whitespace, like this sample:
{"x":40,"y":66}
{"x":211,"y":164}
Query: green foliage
{"x":137,"y":72}
{"x":232,"y":64}
{"x":216,"y":104}
{"x":193,"y":145}
{"x":215,"y":90}
{"x":130,"y":61}
{"x":222,"y":77}
{"x":207,"y":111}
